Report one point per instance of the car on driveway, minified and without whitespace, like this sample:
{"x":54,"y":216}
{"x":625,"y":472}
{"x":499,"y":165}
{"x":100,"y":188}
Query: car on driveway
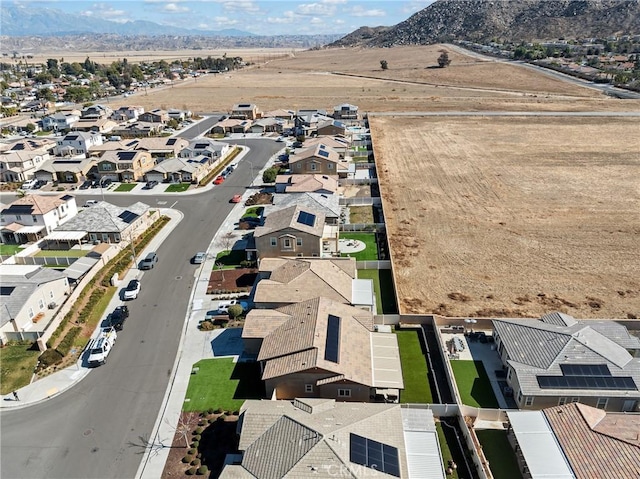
{"x":150,"y":185}
{"x":118,"y":317}
{"x":223,"y":308}
{"x":219,"y":180}
{"x":132,"y":290}
{"x":86,"y":185}
{"x":90,"y":203}
{"x":199,"y":257}
{"x":236,"y":199}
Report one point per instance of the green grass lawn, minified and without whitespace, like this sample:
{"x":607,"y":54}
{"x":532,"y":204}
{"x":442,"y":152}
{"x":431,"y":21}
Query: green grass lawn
{"x":370,"y":253}
{"x":414,"y":368}
{"x":383,"y":286}
{"x":473,"y":384}
{"x":444,"y":449}
{"x":68,"y":253}
{"x":177,"y":187}
{"x":253,"y":212}
{"x":230,"y":258}
{"x":18,"y":361}
{"x":126,"y":186}
{"x":221,"y":383}
{"x":499,"y":453}
{"x":9,"y":249}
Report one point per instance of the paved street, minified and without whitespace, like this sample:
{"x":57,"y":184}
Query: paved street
{"x":100,"y":427}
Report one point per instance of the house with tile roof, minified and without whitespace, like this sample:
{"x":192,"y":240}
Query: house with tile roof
{"x":231,"y":125}
{"x":322,"y":438}
{"x":321,"y":202}
{"x":28,"y":294}
{"x":180,"y":170}
{"x":295,"y":231}
{"x":59,"y":121}
{"x":245,"y":111}
{"x":324,"y":348}
{"x":66,"y":170}
{"x":20,"y":160}
{"x":101,"y":125}
{"x":214,"y":150}
{"x":338,"y":143}
{"x":125,"y":166}
{"x":283,"y":281}
{"x":558,"y":359}
{"x":107,"y":223}
{"x":331,"y":127}
{"x":316,"y":183}
{"x":575,"y":441}
{"x":32,"y":217}
{"x":154,"y":116}
{"x":77,"y":143}
{"x":318,"y":159}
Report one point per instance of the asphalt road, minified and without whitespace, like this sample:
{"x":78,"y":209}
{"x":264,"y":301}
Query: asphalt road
{"x":99,"y":427}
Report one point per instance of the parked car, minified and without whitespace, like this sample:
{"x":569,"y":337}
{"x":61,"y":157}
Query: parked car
{"x":100,"y":347}
{"x":95,"y":184}
{"x":132,"y":290}
{"x":150,"y":185}
{"x":90,"y":203}
{"x":219,"y":180}
{"x":118,"y":317}
{"x":86,"y":185}
{"x":39,"y":184}
{"x":27,"y":185}
{"x":149,"y":261}
{"x":223,"y":308}
{"x":236,"y":199}
{"x":199,"y":257}
{"x":106,"y":182}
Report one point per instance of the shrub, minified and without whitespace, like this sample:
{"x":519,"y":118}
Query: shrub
{"x":197,"y":437}
{"x":187,"y":459}
{"x":269,"y":175}
{"x":195,"y":444}
{"x":235,"y":310}
{"x":202,"y":470}
{"x":212,"y":420}
{"x":49,"y":358}
{"x":219,"y":411}
{"x":65,"y":345}
{"x":202,"y":422}
{"x":211,"y":410}
{"x":206,"y":326}
{"x":198,"y":430}
{"x":191,"y":471}
{"x":192,"y":452}
{"x":196,"y":462}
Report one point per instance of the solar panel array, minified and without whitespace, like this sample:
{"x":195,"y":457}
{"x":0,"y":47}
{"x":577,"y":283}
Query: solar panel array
{"x":323,"y":153}
{"x":598,"y":370}
{"x":307,"y":219}
{"x":587,"y":382}
{"x":332,"y":341}
{"x":127,"y":216}
{"x":172,"y":141}
{"x":374,"y":455}
{"x":71,"y":137}
{"x":201,"y":146}
{"x":127,"y":155}
{"x":18,"y":146}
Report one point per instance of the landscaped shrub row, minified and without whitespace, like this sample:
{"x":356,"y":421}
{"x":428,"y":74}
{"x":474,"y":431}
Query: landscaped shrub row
{"x":211,"y":175}
{"x":96,"y":296}
{"x":65,"y":345}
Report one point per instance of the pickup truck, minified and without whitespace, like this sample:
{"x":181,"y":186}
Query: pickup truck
{"x":100,"y":347}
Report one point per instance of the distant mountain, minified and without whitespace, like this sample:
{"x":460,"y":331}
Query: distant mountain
{"x":20,"y":20}
{"x":512,"y":20}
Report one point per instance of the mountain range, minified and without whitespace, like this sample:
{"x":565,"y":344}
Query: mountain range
{"x":506,"y":20}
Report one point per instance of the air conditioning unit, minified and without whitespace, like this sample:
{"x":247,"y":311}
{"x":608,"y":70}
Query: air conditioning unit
{"x":52,"y":305}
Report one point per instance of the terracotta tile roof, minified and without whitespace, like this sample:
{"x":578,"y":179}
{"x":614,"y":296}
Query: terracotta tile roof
{"x":597,"y":444}
{"x":259,"y":323}
{"x":40,"y":204}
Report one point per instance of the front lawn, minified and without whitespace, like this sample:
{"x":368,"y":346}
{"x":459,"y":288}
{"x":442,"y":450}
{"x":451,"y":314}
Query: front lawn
{"x":370,"y":253}
{"x":221,"y":383}
{"x":177,"y":187}
{"x":230,"y":258}
{"x":499,"y":453}
{"x":126,"y":186}
{"x":383,"y":286}
{"x":414,"y":368}
{"x":473,"y":384}
{"x":18,"y":361}
{"x":253,"y":212}
{"x":64,"y":253}
{"x":9,"y":249}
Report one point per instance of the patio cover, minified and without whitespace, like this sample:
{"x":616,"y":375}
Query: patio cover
{"x":13,"y":227}
{"x":424,"y":458}
{"x":30,"y":229}
{"x":66,"y":235}
{"x":79,"y":268}
{"x":539,"y":446}
{"x":387,"y":371}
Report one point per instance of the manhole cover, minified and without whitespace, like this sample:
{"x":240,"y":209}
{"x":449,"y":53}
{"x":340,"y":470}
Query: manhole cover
{"x":178,"y":278}
{"x":95,"y":449}
{"x":88,"y":432}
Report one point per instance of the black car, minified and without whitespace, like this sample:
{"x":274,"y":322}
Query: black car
{"x":150,"y":185}
{"x":86,"y":185}
{"x":95,"y":184}
{"x":117,"y":318}
{"x":106,"y":182}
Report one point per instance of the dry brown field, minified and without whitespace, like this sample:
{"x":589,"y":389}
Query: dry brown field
{"x":512,"y":216}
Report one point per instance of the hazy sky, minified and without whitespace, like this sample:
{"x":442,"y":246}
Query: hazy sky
{"x":262,"y":17}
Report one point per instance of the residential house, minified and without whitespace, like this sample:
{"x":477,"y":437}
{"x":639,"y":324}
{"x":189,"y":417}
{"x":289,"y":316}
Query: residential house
{"x":100,"y":125}
{"x":318,"y":159}
{"x":214,"y":150}
{"x":345,"y":111}
{"x":96,"y":112}
{"x":266,"y":125}
{"x":32,"y":217}
{"x":280,"y":114}
{"x":558,"y":359}
{"x":179,"y":170}
{"x":59,"y":121}
{"x":283,"y":281}
{"x":28,"y":291}
{"x":155,"y":116}
{"x":127,"y":113}
{"x":245,"y":111}
{"x":66,"y":170}
{"x":320,"y":348}
{"x":107,"y":223}
{"x":318,"y":183}
{"x":338,"y":143}
{"x":160,"y":147}
{"x":125,"y":166}
{"x":330,"y":128}
{"x":295,"y":231}
{"x":307,"y":121}
{"x":231,"y":125}
{"x":77,"y":143}
{"x":575,"y":441}
{"x":18,"y":166}
{"x":138,"y":129}
{"x":179,"y":115}
{"x":325,"y":439}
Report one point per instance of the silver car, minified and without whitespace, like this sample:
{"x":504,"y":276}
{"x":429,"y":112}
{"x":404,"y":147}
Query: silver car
{"x":199,"y":257}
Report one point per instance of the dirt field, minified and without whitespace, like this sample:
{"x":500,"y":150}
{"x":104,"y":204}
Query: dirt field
{"x":504,"y":216}
{"x":308,"y":80}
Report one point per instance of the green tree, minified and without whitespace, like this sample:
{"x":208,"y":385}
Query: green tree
{"x":383,"y":64}
{"x":235,"y":310}
{"x":443,"y":59}
{"x":45,"y":94}
{"x":269,"y":175}
{"x":30,"y":127}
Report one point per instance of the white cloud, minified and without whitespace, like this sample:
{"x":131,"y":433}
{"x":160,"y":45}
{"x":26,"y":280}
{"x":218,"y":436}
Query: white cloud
{"x":225,"y":21}
{"x":100,"y":10}
{"x":359,"y":11}
{"x":175,"y":8}
{"x":287,"y":17}
{"x":247,"y":6}
{"x":415,"y":6}
{"x":316,"y":21}
{"x":322,"y":9}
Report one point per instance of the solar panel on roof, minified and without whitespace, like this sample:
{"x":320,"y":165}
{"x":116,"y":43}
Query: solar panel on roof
{"x":332,"y":341}
{"x":323,"y":153}
{"x":587,"y":382}
{"x":127,"y":155}
{"x":201,"y":146}
{"x":132,"y":143}
{"x":127,"y":216}
{"x":17,"y":147}
{"x":374,"y":455}
{"x":71,"y":137}
{"x":6,"y":290}
{"x":307,"y":219}
{"x":172,"y":141}
{"x":585,"y":370}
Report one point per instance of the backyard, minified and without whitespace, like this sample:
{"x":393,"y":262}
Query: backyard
{"x":383,"y":287}
{"x":66,"y":253}
{"x":473,"y":384}
{"x":496,"y":448}
{"x":361,"y":214}
{"x":414,"y":368}
{"x":445,"y":450}
{"x":370,"y":253}
{"x":9,"y":249}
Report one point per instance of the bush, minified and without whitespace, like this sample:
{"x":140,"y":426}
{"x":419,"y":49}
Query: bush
{"x":196,"y":462}
{"x":212,"y":420}
{"x":202,"y":470}
{"x":49,"y":358}
{"x":211,"y":410}
{"x":206,"y":326}
{"x":195,"y":444}
{"x":187,"y":459}
{"x":235,"y":310}
{"x":197,"y":437}
{"x":191,"y":471}
{"x":269,"y":175}
{"x":192,"y":452}
{"x":198,"y":430}
{"x":65,"y":345}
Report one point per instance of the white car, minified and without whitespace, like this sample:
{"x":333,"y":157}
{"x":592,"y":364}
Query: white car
{"x":132,"y":290}
{"x":223,"y":307}
{"x":199,"y":257}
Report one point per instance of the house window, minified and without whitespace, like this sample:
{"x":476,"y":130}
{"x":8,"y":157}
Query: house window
{"x":105,"y":237}
{"x":299,"y":166}
{"x":344,"y":393}
{"x":298,"y":241}
{"x":93,"y":236}
{"x":575,"y":399}
{"x":18,"y":217}
{"x":330,"y":166}
{"x":51,"y":295}
{"x":528,"y":400}
{"x":30,"y":313}
{"x":34,"y":218}
{"x":562,"y":401}
{"x":313,"y":167}
{"x":519,"y":397}
{"x":41,"y":303}
{"x":602,"y":403}
{"x":286,"y":243}
{"x":116,"y":238}
{"x":107,"y":166}
{"x":308,"y":388}
{"x":274,"y":242}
